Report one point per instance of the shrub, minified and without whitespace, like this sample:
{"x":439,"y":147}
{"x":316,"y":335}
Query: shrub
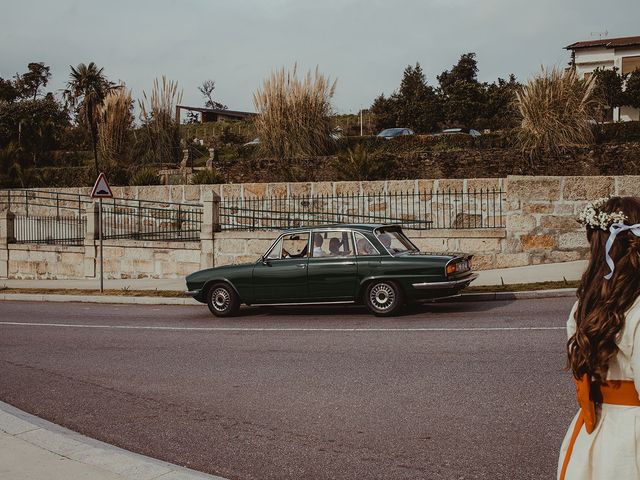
{"x":619,"y":132}
{"x":157,"y":115}
{"x":146,"y":176}
{"x":557,"y":109}
{"x":359,"y":164}
{"x":206,"y":177}
{"x":293,"y":114}
{"x":115,"y":120}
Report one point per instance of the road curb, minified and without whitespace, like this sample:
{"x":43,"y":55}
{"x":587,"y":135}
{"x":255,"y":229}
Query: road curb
{"x":65,"y":443}
{"x":466,"y":297}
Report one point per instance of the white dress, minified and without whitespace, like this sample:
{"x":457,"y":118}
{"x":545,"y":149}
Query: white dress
{"x":612,"y":450}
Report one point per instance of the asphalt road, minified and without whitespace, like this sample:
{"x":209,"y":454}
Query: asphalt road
{"x":447,"y":391}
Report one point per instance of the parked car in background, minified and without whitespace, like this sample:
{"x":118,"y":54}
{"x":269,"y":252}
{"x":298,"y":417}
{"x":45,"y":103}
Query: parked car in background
{"x":389,"y":133}
{"x":372,"y":264}
{"x":461,"y":131}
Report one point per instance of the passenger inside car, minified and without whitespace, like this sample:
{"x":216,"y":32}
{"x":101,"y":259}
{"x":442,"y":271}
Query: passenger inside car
{"x":334,"y":247}
{"x":317,"y":245}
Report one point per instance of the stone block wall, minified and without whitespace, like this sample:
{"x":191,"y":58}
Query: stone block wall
{"x":150,"y":259}
{"x":45,"y":261}
{"x":123,"y":259}
{"x":539,"y":214}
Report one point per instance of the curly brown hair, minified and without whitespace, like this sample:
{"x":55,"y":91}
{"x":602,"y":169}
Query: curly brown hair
{"x":602,"y":304}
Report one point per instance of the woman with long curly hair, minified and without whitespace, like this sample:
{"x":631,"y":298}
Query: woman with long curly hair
{"x":603,"y":441}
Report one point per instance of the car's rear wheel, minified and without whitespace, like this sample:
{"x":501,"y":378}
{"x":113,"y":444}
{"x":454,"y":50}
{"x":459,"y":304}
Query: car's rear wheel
{"x":383,"y":298}
{"x":222,"y":300}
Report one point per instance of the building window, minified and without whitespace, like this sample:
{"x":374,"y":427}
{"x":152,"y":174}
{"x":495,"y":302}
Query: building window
{"x":629,"y":64}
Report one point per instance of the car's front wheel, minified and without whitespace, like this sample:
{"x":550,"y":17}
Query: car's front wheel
{"x":383,"y":298}
{"x":222,"y":300}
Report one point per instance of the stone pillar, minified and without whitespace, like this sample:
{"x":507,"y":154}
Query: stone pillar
{"x":210,"y":225}
{"x":92,"y":214}
{"x":7,"y":236}
{"x":211,"y":159}
{"x":185,"y":159}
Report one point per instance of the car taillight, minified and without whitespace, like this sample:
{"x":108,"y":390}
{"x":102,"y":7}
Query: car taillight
{"x":461,"y":266}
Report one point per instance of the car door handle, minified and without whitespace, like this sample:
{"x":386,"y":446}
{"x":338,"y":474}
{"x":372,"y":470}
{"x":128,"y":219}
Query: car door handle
{"x":301,"y":265}
{"x":349,"y":263}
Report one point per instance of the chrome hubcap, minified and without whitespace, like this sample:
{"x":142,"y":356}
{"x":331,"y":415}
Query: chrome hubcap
{"x":220,"y":299}
{"x":382,"y":296}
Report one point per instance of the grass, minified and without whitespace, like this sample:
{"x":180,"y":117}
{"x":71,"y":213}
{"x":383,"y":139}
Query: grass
{"x":523,"y":287}
{"x":556,"y":108}
{"x":294,"y":114}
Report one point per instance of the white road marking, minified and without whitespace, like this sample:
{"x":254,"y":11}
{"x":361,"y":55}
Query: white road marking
{"x":280,"y":329}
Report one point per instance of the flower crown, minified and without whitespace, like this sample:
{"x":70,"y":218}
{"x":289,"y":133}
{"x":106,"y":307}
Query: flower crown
{"x":595,"y":218}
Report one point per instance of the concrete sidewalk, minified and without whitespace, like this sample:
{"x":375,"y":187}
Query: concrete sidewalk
{"x":508,"y":276}
{"x":33,"y":449}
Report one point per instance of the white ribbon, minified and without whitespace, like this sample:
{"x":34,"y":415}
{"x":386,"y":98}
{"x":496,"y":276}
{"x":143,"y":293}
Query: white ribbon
{"x":615,"y":229}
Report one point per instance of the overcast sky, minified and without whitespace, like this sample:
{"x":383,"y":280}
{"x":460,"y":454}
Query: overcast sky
{"x":365,"y":44}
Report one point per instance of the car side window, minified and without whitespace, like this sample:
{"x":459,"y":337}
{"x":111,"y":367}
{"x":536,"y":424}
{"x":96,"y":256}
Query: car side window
{"x":332,"y":244}
{"x":364,"y":247}
{"x":295,"y":245}
{"x":275,"y":252}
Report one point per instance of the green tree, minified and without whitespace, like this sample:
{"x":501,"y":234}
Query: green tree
{"x":29,"y":84}
{"x":418,"y":106}
{"x":415,"y":104}
{"x":609,"y":88}
{"x":384,"y":111}
{"x":86,"y":89}
{"x":498,"y":104}
{"x":466,"y":70}
{"x":464,"y":103}
{"x":462,"y":95}
{"x":632,"y":91}
{"x":8,"y":91}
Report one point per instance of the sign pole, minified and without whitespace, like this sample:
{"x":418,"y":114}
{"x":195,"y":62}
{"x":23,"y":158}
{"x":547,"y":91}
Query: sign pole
{"x":101,"y":189}
{"x":101,"y":256}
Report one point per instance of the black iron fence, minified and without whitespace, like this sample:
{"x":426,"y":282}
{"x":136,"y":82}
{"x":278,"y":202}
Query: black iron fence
{"x":415,"y":210}
{"x":146,"y":222}
{"x":44,"y":203}
{"x":44,"y":216}
{"x":59,"y":230}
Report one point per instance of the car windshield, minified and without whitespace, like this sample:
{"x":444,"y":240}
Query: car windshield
{"x":391,"y":132}
{"x":395,"y":241}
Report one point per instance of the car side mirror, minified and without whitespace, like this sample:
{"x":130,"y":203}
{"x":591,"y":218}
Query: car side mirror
{"x":266,"y":262}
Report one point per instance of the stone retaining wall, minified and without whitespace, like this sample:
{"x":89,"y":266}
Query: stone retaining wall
{"x":123,"y":259}
{"x":539,"y":214}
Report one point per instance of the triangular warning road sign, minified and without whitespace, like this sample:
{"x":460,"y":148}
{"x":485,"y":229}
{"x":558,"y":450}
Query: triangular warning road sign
{"x":101,"y":189}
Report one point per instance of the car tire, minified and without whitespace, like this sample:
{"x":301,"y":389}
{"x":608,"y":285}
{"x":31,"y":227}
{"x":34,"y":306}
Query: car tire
{"x":223,"y":300}
{"x":383,"y":298}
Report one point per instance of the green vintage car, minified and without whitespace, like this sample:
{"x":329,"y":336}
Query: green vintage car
{"x":372,"y":264}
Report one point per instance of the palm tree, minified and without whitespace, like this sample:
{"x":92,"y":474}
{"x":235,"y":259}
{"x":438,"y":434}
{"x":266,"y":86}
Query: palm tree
{"x":87,"y":88}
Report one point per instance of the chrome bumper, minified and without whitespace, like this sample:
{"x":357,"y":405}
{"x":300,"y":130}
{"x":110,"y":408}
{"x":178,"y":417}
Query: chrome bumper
{"x":191,"y":293}
{"x":462,"y":282}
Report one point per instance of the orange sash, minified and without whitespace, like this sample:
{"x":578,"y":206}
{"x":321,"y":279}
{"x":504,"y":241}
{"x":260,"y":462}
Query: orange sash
{"x":616,"y":392}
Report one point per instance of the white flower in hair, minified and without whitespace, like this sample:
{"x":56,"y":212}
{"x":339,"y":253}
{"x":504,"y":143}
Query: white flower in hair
{"x":592,"y":217}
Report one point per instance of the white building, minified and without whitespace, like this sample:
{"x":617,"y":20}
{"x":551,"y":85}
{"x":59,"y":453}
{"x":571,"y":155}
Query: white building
{"x":622,"y":53}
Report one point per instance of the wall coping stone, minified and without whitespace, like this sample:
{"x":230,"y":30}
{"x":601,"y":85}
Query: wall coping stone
{"x":38,"y":247}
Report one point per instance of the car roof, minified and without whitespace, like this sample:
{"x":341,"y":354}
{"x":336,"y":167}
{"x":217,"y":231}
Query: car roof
{"x":366,"y":227}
